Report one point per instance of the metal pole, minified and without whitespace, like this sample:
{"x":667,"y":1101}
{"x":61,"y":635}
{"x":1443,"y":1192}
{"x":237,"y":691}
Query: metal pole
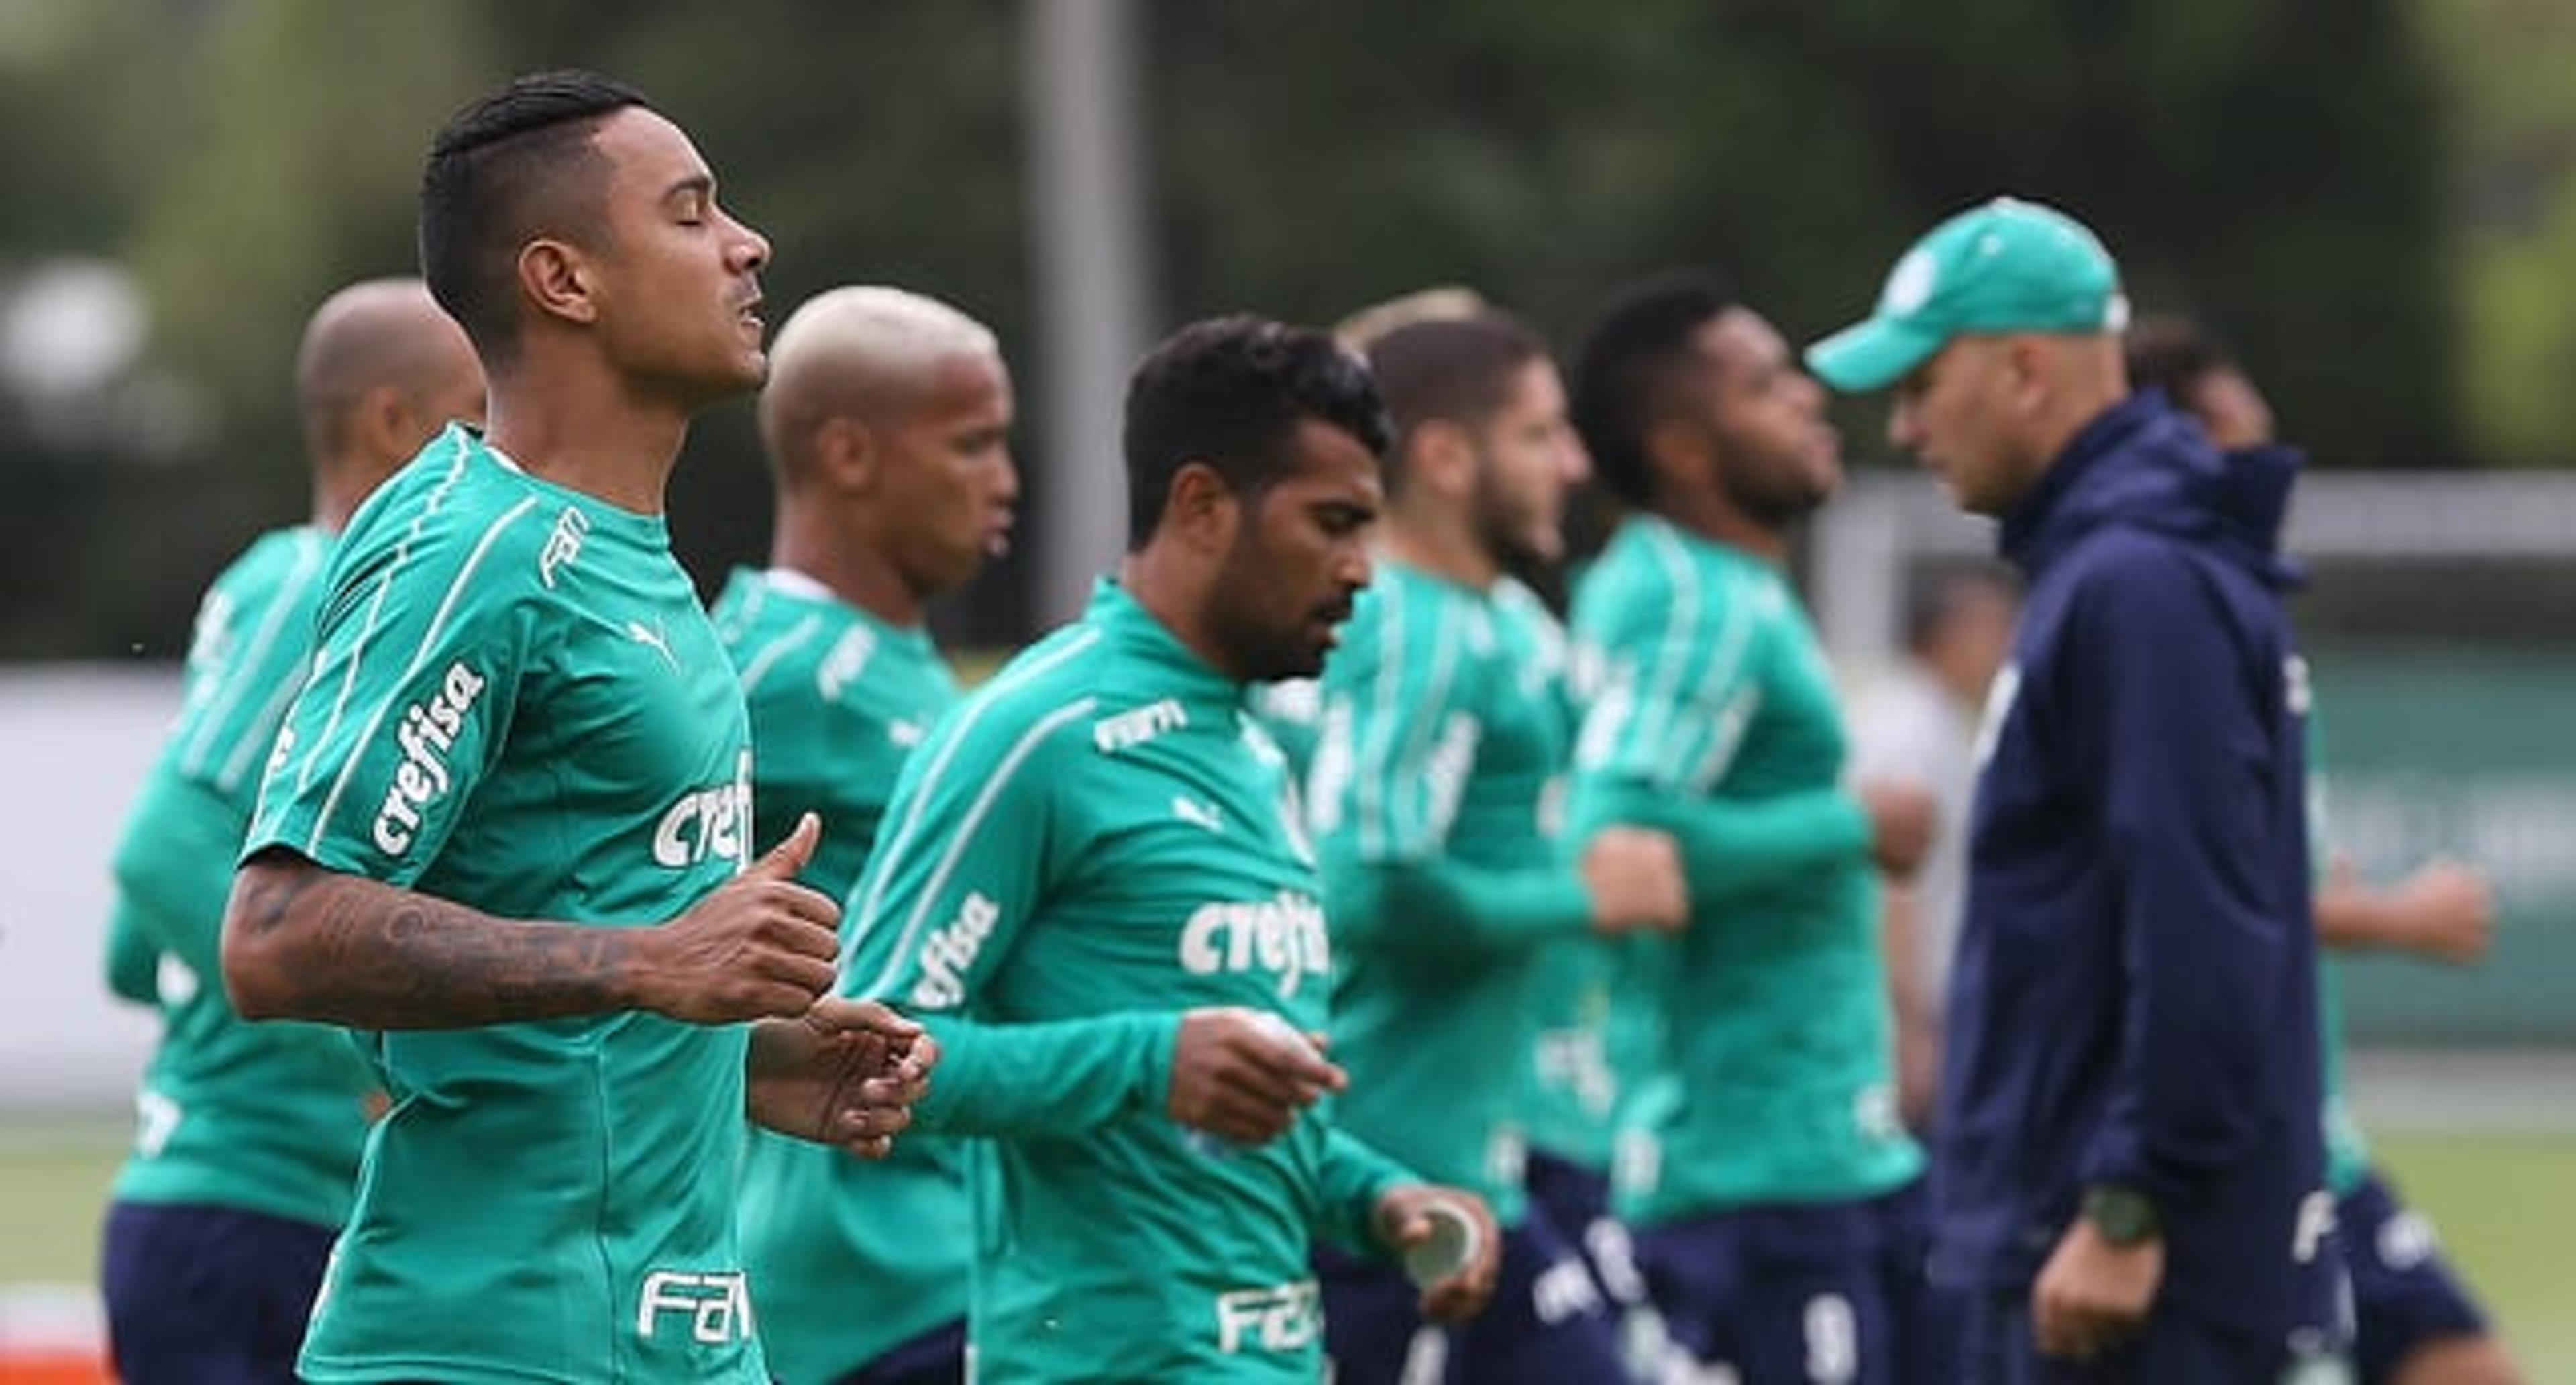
{"x":1080,"y":80}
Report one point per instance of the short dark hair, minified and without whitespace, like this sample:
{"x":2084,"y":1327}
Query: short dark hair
{"x":509,"y":165}
{"x":1628,"y":374}
{"x":1450,"y":370}
{"x":1230,"y":392}
{"x":2173,"y":353}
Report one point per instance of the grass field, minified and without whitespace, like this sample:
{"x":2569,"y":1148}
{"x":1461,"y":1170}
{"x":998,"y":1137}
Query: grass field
{"x":2506,"y":1204}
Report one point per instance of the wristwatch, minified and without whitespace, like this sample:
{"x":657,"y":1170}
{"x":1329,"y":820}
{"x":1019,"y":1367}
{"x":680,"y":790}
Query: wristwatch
{"x":2123,"y":1215}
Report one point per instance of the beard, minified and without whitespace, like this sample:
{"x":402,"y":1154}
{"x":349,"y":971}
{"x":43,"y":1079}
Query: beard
{"x":1776,"y":499}
{"x":1262,"y":640}
{"x":1515,"y":540}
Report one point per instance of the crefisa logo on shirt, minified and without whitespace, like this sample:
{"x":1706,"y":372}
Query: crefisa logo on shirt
{"x":950,"y":951}
{"x":1283,"y":935}
{"x":427,"y":735}
{"x":708,"y":822}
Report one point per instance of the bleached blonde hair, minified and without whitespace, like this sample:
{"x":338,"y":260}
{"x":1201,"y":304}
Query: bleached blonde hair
{"x":853,"y":349}
{"x":1439,"y":303}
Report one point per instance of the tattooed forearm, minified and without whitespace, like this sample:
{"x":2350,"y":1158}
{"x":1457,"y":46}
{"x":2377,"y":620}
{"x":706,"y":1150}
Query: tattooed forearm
{"x":264,"y":896}
{"x":307,"y":943}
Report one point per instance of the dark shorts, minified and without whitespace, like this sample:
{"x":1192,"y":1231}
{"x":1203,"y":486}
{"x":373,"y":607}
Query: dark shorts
{"x":936,"y":1357}
{"x":1547,"y":1324}
{"x":208,"y":1295}
{"x":1999,"y":1350}
{"x":1576,"y":1201}
{"x":1834,"y":1294}
{"x":2404,"y":1294}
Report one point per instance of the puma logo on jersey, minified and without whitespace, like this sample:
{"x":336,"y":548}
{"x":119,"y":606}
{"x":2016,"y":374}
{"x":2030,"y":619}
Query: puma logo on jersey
{"x":563,"y":545}
{"x":1127,"y":730}
{"x":950,"y":952}
{"x":427,"y":734}
{"x":1198,"y":812}
{"x":1282,"y":935}
{"x":651,"y":638}
{"x":905,"y":734}
{"x":708,"y":822}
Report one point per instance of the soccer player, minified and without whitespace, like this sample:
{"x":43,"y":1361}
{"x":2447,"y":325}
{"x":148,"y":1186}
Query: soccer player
{"x":1919,"y":727}
{"x":2414,"y":1320}
{"x":247,"y":1144}
{"x":1777,"y":1215}
{"x":1445,"y":735}
{"x":1093,"y":888}
{"x":505,"y":829}
{"x":1292,"y":710}
{"x":887,"y":423}
{"x":2128,"y":1144}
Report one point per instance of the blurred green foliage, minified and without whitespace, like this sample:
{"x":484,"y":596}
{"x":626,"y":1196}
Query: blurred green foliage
{"x":2275,"y":164}
{"x":2512,"y":200}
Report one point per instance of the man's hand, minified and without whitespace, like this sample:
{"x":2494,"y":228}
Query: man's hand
{"x":1243,"y":1075}
{"x":1901,"y":819}
{"x":2448,"y":912}
{"x":2092,"y":1294}
{"x":1406,"y":1222}
{"x":845,"y":1073}
{"x":1634,"y":876}
{"x":761,"y":946}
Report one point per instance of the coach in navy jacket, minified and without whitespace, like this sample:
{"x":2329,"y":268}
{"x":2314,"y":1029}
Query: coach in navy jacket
{"x":2129,"y":1162}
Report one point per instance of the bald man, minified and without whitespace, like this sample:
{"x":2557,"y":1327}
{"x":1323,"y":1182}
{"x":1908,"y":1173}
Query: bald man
{"x":2131,"y":1168}
{"x":247,"y":1144}
{"x":886,"y":420}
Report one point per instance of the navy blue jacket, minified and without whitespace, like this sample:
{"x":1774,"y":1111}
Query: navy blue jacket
{"x":2134,"y":999}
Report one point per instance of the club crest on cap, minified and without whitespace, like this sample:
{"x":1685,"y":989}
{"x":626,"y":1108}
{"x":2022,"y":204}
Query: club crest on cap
{"x":1910,"y":284}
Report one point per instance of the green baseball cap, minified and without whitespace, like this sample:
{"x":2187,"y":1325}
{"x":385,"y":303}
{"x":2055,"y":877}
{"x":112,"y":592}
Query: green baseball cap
{"x":2007,"y":266}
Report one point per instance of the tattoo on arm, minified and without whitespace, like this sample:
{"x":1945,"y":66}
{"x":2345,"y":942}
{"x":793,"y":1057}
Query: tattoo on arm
{"x":268,"y":895}
{"x":347,"y":950}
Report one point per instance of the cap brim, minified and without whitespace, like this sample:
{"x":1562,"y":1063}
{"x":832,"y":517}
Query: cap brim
{"x":1872,"y":355}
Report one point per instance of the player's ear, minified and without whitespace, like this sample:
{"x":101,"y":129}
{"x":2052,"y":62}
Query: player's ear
{"x":2025,"y":363}
{"x":384,"y":421}
{"x":1440,"y":457}
{"x":1201,"y":510}
{"x":555,"y":280}
{"x":1677,"y":454}
{"x":846,"y":455}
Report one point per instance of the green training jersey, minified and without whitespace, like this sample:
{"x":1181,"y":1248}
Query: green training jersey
{"x":261,"y":1117}
{"x":1582,"y":1043}
{"x":1291,"y":711}
{"x":1095,"y":841}
{"x":838,"y":698}
{"x":1443,"y":739}
{"x":1717,"y":722}
{"x":1573,"y":1081}
{"x":518,"y":704}
{"x":2347,"y":1152}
